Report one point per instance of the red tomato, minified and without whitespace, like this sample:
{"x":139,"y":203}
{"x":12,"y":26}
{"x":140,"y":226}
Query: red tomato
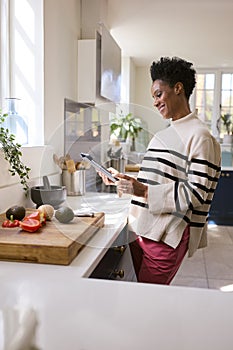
{"x":30,"y":225}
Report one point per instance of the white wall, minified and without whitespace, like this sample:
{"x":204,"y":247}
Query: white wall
{"x":128,"y":87}
{"x":143,"y":101}
{"x":136,"y":99}
{"x":62,"y":31}
{"x":38,"y":159}
{"x":93,"y":13}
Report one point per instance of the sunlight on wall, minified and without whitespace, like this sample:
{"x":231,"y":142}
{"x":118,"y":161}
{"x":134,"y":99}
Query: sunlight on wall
{"x":23,"y":10}
{"x":26,"y":55}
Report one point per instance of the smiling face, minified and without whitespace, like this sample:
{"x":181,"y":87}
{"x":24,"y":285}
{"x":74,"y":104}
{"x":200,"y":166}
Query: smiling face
{"x":170,"y":102}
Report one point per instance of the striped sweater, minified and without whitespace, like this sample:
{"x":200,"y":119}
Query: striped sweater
{"x":181,"y":169}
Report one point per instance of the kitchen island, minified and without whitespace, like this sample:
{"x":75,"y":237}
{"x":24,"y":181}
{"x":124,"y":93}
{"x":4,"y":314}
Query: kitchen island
{"x":221,"y":208}
{"x":72,"y":311}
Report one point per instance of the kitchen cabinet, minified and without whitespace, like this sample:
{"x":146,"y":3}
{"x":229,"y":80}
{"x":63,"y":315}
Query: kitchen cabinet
{"x":221,"y":211}
{"x":87,"y":70}
{"x":117,"y":262}
{"x":126,"y":265}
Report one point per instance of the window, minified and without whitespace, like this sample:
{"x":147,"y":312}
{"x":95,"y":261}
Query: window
{"x":226,"y":98}
{"x":22,"y":65}
{"x":213,"y":98}
{"x":205,"y":97}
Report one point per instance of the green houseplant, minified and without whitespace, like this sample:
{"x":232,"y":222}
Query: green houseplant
{"x":227,"y":122}
{"x":125,"y":126}
{"x":12,"y":153}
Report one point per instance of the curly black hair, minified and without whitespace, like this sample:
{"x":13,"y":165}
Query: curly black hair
{"x":173,"y":70}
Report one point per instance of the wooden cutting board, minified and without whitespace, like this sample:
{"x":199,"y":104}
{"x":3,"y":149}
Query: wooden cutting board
{"x":132,"y":168}
{"x":54,"y":243}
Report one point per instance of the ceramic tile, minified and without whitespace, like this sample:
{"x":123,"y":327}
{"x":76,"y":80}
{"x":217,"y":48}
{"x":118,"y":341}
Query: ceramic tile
{"x":227,"y":285}
{"x":219,"y":235}
{"x":230,"y":232}
{"x":211,"y":267}
{"x":218,"y":227}
{"x":229,"y":228}
{"x":219,"y":261}
{"x":190,"y":282}
{"x":197,"y":257}
{"x":194,"y":266}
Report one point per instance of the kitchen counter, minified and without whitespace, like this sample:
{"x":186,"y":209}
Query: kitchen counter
{"x":74,"y":312}
{"x":227,"y":168}
{"x":116,"y":211}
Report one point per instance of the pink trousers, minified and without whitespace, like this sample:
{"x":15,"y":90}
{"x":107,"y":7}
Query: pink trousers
{"x":157,"y":262}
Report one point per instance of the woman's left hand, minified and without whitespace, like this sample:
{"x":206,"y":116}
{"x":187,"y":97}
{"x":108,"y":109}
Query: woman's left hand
{"x":128,"y":184}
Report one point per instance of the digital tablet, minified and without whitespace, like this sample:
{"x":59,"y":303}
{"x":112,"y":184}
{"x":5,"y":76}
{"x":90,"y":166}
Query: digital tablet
{"x":98,"y":167}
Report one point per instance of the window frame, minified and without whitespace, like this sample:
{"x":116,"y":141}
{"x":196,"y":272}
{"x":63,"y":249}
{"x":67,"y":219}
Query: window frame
{"x":217,"y":95}
{"x":4,"y":50}
{"x":13,"y":81}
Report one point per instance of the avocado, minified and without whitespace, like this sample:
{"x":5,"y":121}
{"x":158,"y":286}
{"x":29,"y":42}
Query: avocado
{"x":18,"y":212}
{"x":64,"y":215}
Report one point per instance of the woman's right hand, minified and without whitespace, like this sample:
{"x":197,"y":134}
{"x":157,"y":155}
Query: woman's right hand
{"x":105,"y":179}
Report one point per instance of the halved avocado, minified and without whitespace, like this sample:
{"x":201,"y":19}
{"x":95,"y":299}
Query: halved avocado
{"x":18,"y":212}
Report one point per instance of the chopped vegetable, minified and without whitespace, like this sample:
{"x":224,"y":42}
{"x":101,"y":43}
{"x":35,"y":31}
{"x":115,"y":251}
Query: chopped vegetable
{"x":37,"y":215}
{"x":30,"y":225}
{"x":10,"y":223}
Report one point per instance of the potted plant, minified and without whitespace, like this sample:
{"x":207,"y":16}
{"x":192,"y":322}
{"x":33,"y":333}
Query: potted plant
{"x":125,"y":127}
{"x":12,"y":153}
{"x":227,"y":122}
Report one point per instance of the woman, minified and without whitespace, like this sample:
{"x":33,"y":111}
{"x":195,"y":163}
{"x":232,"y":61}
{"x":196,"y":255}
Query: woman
{"x":175,"y":185}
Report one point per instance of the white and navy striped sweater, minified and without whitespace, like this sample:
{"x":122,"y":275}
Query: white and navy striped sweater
{"x":181,"y":168}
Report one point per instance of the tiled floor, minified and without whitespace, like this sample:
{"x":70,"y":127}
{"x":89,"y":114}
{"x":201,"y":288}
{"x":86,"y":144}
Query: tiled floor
{"x":210,"y":267}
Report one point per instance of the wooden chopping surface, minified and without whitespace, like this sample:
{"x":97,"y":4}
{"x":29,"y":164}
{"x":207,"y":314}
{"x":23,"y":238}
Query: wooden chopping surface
{"x":53,"y":243}
{"x":132,"y":167}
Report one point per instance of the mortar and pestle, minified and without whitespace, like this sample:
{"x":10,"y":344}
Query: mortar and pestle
{"x":48,"y":194}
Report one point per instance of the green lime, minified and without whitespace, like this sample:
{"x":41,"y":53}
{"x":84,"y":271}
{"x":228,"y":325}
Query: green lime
{"x":64,"y":215}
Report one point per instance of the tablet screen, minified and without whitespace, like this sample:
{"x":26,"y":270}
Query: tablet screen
{"x":98,"y":167}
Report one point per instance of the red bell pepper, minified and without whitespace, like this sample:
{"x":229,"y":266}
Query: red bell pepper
{"x":30,"y":225}
{"x":10,"y":223}
{"x":36,"y":215}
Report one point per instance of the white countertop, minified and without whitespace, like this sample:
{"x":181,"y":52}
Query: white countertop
{"x":74,"y":312}
{"x":227,"y":168}
{"x":116,"y":211}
